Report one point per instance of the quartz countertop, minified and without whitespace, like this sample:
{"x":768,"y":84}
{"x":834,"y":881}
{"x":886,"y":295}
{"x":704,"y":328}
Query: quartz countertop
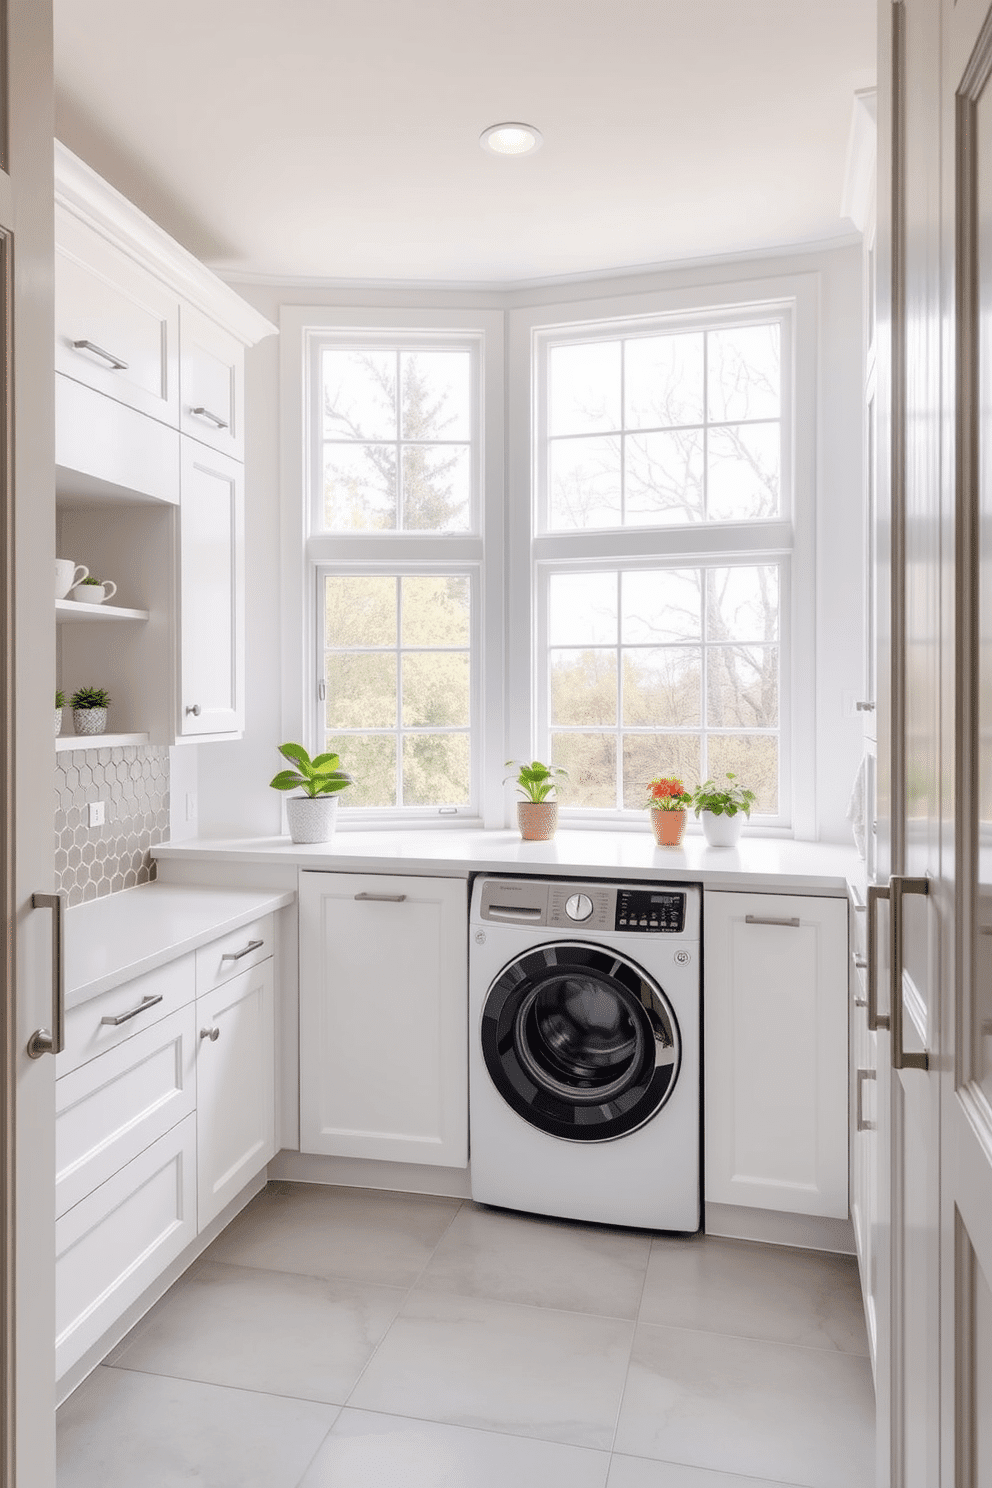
{"x":762,"y":864}
{"x":111,"y":940}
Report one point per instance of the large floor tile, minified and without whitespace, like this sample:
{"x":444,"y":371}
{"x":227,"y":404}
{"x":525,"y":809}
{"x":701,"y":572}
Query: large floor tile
{"x":541,"y":1262}
{"x":796,"y":1415}
{"x":502,"y":1367}
{"x":639,"y":1472}
{"x":366,"y":1449}
{"x":264,"y":1330}
{"x":756,"y":1291}
{"x":324,"y":1231}
{"x":125,"y":1430}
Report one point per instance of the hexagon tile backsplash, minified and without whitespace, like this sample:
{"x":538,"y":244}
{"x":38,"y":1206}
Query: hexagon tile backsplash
{"x":133,"y":784}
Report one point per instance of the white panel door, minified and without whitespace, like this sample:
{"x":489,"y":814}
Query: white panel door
{"x":211,"y":377}
{"x":212,"y":607}
{"x":383,"y":1017}
{"x":776,"y":1052}
{"x":235,"y":1075}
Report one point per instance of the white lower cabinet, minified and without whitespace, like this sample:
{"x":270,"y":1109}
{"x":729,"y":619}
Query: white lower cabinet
{"x":114,"y":1243}
{"x":776,"y":1052}
{"x":864,"y":1141}
{"x":383,"y":1017}
{"x":165,"y":1110}
{"x":234,"y":1087}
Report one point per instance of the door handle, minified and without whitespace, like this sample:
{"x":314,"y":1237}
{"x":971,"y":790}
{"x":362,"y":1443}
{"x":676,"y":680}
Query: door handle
{"x":383,"y":898}
{"x":44,"y":1040}
{"x":253,"y":945}
{"x":146,"y":1002}
{"x":861,"y":1124}
{"x":899,"y":887}
{"x":108,"y":356}
{"x":792,"y":923}
{"x":876,"y":1020}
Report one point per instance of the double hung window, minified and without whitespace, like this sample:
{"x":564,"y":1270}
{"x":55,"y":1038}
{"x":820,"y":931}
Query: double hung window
{"x":395,"y":556}
{"x":661,"y":549}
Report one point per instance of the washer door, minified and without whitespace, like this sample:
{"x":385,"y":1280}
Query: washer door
{"x":580,"y":1041}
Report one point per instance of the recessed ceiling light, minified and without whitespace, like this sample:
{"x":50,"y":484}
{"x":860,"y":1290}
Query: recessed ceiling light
{"x":511,"y":139}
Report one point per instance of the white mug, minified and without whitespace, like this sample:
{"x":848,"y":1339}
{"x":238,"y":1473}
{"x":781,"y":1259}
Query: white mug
{"x":67,"y":574}
{"x":94,"y":593}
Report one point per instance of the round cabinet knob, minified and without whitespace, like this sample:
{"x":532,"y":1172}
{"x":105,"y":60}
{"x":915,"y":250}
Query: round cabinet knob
{"x":213,"y":1034}
{"x":195,"y":710}
{"x":578,"y":906}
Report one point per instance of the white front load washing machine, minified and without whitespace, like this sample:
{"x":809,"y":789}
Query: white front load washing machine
{"x":584,"y":1060}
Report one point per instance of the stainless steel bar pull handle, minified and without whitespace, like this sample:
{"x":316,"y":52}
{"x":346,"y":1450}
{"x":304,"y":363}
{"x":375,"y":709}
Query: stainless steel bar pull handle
{"x":45,"y":1040}
{"x":862,"y":1124}
{"x":108,"y":356}
{"x":792,"y":923}
{"x":876,"y":1020}
{"x":899,"y":886}
{"x":142,"y":1006}
{"x":214,"y":418}
{"x":383,"y":898}
{"x":253,"y":945}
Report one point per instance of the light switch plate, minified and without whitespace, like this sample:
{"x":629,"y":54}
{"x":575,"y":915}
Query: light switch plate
{"x":97,"y":813}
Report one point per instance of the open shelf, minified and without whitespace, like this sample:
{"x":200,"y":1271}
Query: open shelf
{"x":66,"y":742}
{"x":73,"y":609}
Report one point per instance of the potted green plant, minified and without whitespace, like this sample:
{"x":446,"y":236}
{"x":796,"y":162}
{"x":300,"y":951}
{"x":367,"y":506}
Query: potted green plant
{"x":537,"y":817}
{"x":89,"y":710}
{"x":93,"y":591}
{"x":722,"y":809}
{"x":312,"y":815}
{"x":59,"y":705}
{"x":668,"y":801}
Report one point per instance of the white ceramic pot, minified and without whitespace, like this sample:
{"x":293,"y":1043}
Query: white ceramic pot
{"x":721,"y":831}
{"x":312,"y":819}
{"x":89,"y":720}
{"x":93,"y":593}
{"x":58,"y":722}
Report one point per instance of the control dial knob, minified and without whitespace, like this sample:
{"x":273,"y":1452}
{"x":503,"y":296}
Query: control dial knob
{"x":578,"y":906}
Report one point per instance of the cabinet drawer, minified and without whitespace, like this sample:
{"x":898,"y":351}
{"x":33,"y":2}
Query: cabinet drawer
{"x":128,"y":317}
{"x":147,"y":998}
{"x":116,"y":1241}
{"x":211,"y":376}
{"x":223,"y":959}
{"x":111,"y":1108}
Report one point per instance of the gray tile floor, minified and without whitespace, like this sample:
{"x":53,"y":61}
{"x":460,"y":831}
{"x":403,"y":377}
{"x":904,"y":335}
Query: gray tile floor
{"x":344,"y":1338}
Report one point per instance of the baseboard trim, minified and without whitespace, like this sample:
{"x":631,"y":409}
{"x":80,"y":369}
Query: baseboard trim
{"x":804,"y":1231}
{"x":361,"y":1172}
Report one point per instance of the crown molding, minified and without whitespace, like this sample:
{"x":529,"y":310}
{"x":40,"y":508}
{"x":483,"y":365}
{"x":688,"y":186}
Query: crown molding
{"x":88,"y":197}
{"x":859,"y":172}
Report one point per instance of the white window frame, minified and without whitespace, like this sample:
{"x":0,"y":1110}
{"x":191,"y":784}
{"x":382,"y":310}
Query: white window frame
{"x":479,"y":553}
{"x":788,"y":539}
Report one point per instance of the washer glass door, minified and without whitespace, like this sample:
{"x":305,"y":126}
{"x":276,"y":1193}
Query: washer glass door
{"x":581,"y":1042}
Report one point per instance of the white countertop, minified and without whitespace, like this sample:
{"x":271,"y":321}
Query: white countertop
{"x":763,"y":864}
{"x":110,"y":940}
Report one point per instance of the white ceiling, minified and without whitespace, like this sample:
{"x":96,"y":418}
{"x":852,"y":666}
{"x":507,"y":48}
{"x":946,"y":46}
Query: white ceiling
{"x":331,"y":140}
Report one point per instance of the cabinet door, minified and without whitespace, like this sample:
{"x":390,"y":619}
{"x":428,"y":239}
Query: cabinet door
{"x":235,"y":1099}
{"x":211,"y":377}
{"x":383,"y":1017}
{"x":116,"y":324}
{"x":864,"y":1140}
{"x":776,"y":1052}
{"x":211,"y":515}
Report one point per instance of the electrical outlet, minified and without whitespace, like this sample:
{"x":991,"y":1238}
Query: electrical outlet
{"x":97,"y":813}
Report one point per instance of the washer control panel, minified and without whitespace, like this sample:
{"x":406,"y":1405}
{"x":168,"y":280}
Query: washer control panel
{"x":651,"y":911}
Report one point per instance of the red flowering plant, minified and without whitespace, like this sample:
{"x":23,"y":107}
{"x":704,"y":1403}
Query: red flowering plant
{"x":667,"y":793}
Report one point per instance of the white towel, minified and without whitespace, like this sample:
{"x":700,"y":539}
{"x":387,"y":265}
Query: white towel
{"x":857,"y":806}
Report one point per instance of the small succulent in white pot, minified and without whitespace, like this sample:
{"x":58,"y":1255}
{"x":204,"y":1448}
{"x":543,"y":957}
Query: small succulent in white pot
{"x":89,"y":710}
{"x":312,"y":815}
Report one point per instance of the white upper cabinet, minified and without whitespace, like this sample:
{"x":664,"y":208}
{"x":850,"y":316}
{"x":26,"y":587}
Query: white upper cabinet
{"x":116,"y":324}
{"x":212,"y":556}
{"x":211,"y":383}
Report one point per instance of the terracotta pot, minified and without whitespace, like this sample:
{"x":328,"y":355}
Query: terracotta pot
{"x":668,"y":827}
{"x":537,"y":820}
